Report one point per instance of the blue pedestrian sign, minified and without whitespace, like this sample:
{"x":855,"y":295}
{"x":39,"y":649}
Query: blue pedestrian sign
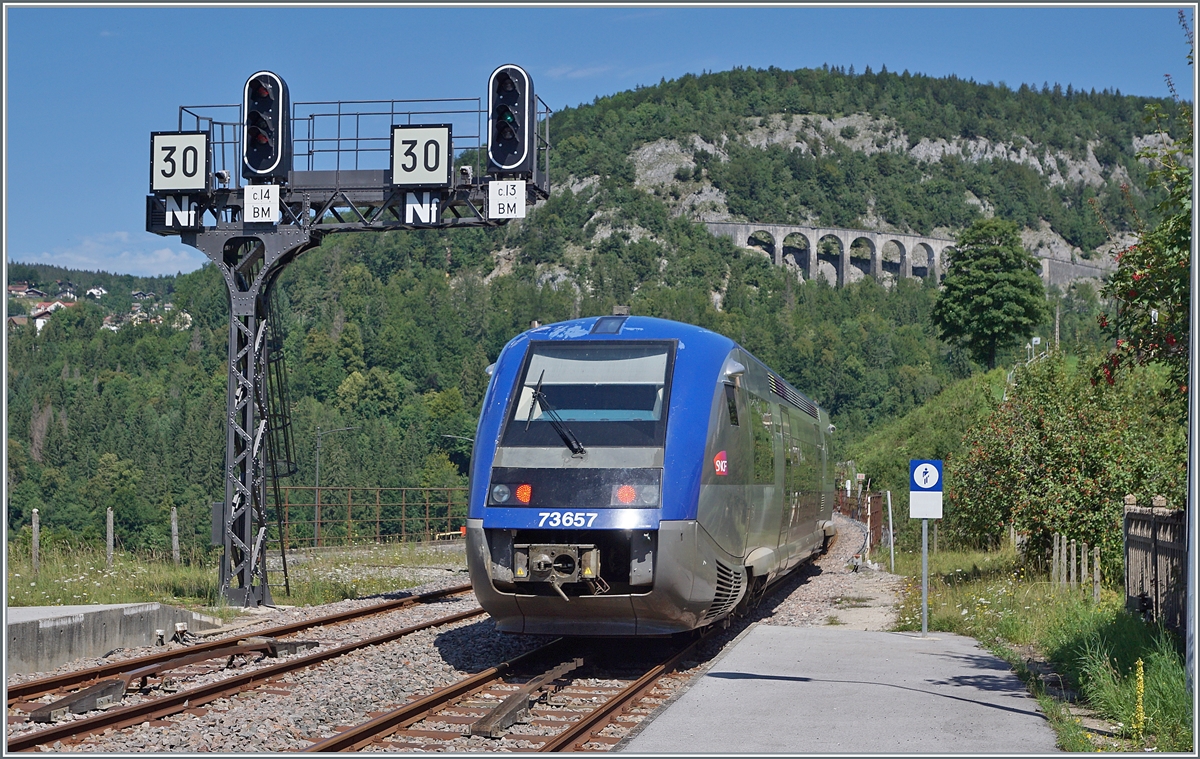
{"x":925,"y":489}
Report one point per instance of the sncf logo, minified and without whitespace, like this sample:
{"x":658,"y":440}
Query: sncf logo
{"x":720,"y":465}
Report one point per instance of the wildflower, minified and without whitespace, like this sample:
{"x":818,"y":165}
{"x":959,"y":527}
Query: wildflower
{"x":1139,"y":711}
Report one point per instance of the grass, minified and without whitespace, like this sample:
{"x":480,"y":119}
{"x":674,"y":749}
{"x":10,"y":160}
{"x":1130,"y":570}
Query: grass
{"x":994,"y":598}
{"x":78,"y":574}
{"x":331,"y":574}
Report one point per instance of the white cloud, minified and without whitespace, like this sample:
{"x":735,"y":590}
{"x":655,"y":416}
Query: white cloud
{"x":570,"y":72}
{"x":120,"y":253}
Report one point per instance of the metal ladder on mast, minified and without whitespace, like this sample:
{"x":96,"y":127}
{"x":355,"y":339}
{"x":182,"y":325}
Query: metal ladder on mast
{"x":281,"y":451}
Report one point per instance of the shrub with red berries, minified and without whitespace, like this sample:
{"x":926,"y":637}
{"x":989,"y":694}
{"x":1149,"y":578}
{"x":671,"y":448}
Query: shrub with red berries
{"x":1150,"y":287}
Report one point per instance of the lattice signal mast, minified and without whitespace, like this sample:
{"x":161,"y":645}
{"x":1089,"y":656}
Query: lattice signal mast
{"x":313,"y":169}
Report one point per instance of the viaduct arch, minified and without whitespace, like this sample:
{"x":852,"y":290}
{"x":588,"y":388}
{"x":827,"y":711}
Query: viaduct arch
{"x":920,"y":256}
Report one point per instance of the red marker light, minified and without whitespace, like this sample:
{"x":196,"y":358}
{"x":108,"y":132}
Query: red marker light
{"x":626,"y":494}
{"x":524,"y":493}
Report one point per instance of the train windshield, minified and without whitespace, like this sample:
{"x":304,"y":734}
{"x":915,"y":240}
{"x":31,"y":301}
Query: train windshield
{"x":606,"y":393}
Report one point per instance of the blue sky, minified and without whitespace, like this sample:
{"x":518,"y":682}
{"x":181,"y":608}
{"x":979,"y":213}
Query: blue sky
{"x":86,"y":85}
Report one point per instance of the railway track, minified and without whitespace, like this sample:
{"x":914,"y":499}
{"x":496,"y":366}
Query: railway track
{"x":187,"y":699}
{"x":24,"y":692}
{"x":574,"y":695}
{"x":545,"y":700}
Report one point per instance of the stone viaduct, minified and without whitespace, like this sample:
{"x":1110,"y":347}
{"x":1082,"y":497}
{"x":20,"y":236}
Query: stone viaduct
{"x":919,"y":256}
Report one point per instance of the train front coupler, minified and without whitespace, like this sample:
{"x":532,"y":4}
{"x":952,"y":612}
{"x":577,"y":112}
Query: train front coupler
{"x":556,"y":564}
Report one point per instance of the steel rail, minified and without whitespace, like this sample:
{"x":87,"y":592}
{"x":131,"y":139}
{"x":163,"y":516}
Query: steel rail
{"x":360,"y":735}
{"x":160,"y":707}
{"x":34,"y":688}
{"x":575,"y":735}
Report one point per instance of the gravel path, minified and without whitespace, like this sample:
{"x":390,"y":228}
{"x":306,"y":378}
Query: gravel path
{"x":306,"y":706}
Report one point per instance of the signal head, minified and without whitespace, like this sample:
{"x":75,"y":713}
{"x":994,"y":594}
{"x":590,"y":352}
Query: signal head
{"x":266,"y":129}
{"x":512,"y":116}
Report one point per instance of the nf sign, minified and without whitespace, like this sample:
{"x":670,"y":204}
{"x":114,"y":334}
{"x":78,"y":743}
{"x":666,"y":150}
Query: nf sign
{"x":261,"y":204}
{"x":182,"y":212}
{"x":506,"y":200}
{"x":925,"y":489}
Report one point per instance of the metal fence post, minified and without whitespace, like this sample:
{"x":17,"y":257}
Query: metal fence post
{"x":1071,"y":569}
{"x":175,"y":535}
{"x":109,"y":537}
{"x":868,"y":554}
{"x":891,"y":532}
{"x":1096,"y":574}
{"x":37,"y":528}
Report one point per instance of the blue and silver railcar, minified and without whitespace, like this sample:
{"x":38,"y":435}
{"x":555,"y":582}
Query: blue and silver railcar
{"x":638,"y":476}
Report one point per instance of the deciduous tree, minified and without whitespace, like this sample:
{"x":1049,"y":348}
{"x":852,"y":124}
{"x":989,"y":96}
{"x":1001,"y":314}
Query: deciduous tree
{"x":992,"y":295}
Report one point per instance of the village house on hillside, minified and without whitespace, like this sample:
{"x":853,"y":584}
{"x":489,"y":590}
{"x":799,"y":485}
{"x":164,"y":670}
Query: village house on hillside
{"x":40,"y":313}
{"x":24,"y":290}
{"x":66,"y":290}
{"x":96,"y":292}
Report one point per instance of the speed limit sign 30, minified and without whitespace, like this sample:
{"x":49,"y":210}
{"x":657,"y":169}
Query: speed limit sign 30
{"x":421,"y":156}
{"x":179,"y":162}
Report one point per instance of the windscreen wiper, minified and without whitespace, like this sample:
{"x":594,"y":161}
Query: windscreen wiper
{"x":556,"y":421}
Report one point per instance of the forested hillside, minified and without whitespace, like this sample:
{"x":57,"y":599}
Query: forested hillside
{"x":391,"y":333}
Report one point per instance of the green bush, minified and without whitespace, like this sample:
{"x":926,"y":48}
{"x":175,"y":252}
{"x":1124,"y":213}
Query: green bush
{"x":1059,"y":455}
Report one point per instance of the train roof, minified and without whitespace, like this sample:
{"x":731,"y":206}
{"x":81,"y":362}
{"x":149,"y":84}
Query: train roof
{"x":621,"y":327}
{"x":652,"y":328}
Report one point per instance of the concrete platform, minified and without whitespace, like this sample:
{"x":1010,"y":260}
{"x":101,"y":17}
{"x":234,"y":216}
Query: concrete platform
{"x":810,"y":690}
{"x":42,"y":638}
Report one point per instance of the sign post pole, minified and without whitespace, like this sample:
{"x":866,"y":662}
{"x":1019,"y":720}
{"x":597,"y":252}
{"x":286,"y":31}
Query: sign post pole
{"x":925,"y":503}
{"x":924,"y":577}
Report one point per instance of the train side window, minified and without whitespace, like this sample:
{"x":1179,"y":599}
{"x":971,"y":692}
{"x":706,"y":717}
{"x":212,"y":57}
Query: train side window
{"x":731,"y":401}
{"x":761,"y":425}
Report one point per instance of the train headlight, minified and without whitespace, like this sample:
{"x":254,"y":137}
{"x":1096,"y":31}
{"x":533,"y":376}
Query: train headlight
{"x":624,"y":495}
{"x":649,"y":495}
{"x":501,"y":493}
{"x":524,"y":493}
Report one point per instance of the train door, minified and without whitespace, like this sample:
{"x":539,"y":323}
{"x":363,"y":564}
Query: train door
{"x":813,"y":455}
{"x":792,"y":486}
{"x":763,"y":491}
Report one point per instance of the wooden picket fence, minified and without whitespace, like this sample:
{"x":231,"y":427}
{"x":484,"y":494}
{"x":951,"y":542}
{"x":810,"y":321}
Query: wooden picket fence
{"x":1156,"y":562}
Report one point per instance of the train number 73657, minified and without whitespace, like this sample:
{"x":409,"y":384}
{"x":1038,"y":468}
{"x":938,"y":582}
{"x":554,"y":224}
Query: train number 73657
{"x":567,"y":518}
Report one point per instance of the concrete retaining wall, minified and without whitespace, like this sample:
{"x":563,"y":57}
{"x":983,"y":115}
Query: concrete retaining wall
{"x":57,"y":635}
